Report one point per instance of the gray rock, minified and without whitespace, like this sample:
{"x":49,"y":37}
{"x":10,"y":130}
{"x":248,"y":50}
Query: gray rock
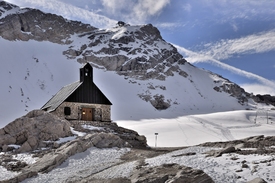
{"x":234,"y":90}
{"x":34,"y":24}
{"x":132,"y":138}
{"x":141,"y":138}
{"x":25,"y":147}
{"x":257,"y":180}
{"x":5,"y":148}
{"x":172,"y":173}
{"x":159,"y":102}
{"x":30,"y":130}
{"x":218,"y":153}
{"x":268,"y":99}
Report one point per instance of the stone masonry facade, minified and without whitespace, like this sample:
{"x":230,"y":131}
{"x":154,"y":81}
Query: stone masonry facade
{"x":101,"y":112}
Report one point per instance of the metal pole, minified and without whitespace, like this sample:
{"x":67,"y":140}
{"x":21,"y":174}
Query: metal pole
{"x":256,"y":116}
{"x":267,"y":116}
{"x":156,"y":134}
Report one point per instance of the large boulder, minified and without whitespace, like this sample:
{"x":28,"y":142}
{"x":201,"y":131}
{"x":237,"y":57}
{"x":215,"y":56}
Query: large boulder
{"x":32,"y":129}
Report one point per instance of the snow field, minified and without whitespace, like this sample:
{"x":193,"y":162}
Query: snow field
{"x":24,"y":157}
{"x":196,"y":129}
{"x":221,"y":169}
{"x":6,"y":174}
{"x":31,"y":78}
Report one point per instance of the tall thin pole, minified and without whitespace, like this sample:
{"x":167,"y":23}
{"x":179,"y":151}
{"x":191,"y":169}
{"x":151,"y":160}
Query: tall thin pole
{"x":266,"y":116}
{"x":156,"y":134}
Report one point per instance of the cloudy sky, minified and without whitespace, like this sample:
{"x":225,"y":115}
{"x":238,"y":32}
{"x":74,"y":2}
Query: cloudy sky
{"x":234,"y":38}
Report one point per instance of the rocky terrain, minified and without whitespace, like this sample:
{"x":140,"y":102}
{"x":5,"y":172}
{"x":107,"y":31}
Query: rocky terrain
{"x":39,"y":135}
{"x":265,"y":99}
{"x":39,"y":130}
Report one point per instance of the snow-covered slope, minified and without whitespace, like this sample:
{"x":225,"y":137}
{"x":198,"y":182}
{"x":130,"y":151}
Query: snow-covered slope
{"x":142,"y":75}
{"x":31,"y":72}
{"x":196,"y":129}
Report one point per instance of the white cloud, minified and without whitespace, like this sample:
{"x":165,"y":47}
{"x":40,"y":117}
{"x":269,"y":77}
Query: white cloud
{"x":235,"y":27}
{"x":117,"y":6}
{"x":224,"y":49}
{"x":259,"y":89}
{"x":135,"y":11}
{"x":169,"y":25}
{"x":187,"y":7}
{"x":194,"y":57}
{"x":257,"y":43}
{"x":234,"y":9}
{"x":145,"y":8}
{"x":68,"y":11}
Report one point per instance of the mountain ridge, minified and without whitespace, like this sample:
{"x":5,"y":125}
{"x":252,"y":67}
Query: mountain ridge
{"x":149,"y":69}
{"x":32,"y":24}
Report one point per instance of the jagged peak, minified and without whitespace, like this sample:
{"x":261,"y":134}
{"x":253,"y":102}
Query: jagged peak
{"x":32,"y":24}
{"x":8,"y":9}
{"x":126,"y":29}
{"x":7,"y":6}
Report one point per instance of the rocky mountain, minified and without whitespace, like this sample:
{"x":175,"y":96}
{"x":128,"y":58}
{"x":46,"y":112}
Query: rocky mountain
{"x":32,"y":24}
{"x":156,"y":77}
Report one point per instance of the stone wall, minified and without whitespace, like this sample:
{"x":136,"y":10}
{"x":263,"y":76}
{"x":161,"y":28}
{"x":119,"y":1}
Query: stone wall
{"x":101,"y":112}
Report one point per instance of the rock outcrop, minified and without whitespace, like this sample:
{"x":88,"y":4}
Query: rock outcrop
{"x":31,"y":130}
{"x":254,"y":145}
{"x":32,"y":24}
{"x":130,"y":137}
{"x":268,"y":99}
{"x":257,"y":180}
{"x":134,"y":51}
{"x":6,"y":7}
{"x":172,"y":173}
{"x":234,"y":90}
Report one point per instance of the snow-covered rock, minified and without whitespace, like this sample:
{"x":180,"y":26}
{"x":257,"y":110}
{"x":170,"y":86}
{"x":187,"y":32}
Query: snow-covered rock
{"x":32,"y":24}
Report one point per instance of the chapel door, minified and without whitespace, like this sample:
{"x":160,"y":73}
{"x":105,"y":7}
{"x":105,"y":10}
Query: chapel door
{"x":87,"y":114}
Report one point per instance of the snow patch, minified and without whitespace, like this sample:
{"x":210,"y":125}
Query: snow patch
{"x":92,"y":128}
{"x":81,"y":134}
